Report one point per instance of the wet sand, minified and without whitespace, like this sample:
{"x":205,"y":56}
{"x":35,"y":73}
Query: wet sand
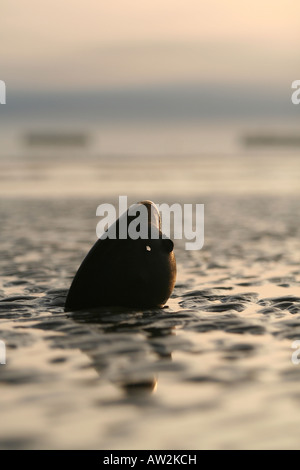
{"x":212,"y":370}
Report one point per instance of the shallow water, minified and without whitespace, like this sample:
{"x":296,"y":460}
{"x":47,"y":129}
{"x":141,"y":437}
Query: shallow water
{"x":212,"y":370}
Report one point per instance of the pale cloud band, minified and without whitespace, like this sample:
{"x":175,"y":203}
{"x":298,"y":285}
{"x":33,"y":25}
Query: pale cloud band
{"x":128,"y":43}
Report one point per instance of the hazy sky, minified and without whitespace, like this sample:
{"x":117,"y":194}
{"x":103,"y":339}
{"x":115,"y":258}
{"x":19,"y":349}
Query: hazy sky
{"x":90,"y":44}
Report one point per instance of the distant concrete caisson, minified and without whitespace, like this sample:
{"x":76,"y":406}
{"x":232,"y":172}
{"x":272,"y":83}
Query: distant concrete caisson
{"x":138,"y":273}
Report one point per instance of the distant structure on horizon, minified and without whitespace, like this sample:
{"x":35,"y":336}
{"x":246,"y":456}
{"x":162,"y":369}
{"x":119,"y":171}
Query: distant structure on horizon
{"x":271,"y":140}
{"x":56,"y":139}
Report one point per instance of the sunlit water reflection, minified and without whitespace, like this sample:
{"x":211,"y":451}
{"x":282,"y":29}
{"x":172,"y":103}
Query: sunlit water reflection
{"x":211,"y":370}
